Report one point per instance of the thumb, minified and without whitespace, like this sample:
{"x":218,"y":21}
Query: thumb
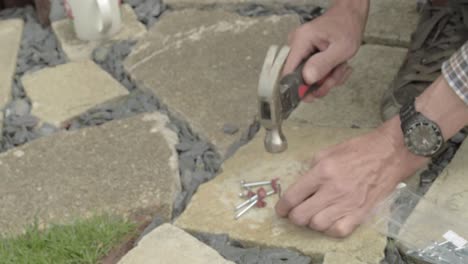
{"x":322,"y":63}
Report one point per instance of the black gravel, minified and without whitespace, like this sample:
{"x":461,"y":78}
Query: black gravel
{"x":39,"y":49}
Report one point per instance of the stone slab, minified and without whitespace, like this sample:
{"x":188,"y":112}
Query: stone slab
{"x":357,"y":102}
{"x":60,"y":93}
{"x":77,"y":49}
{"x":205,"y":65}
{"x":235,"y":3}
{"x":444,"y":207}
{"x":10,"y":34}
{"x":123,"y":167}
{"x":340,"y":258}
{"x":168,"y":244}
{"x":211,"y":208}
{"x":390,"y":22}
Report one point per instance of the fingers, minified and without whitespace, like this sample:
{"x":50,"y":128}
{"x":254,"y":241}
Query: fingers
{"x":344,"y":226}
{"x":338,"y":77}
{"x":299,"y":51}
{"x":296,"y":194}
{"x":323,"y":220}
{"x":302,"y":214}
{"x":322,"y":63}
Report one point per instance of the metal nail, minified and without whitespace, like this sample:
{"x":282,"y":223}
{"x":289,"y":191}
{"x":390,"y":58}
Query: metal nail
{"x":245,"y":184}
{"x":243,"y":211}
{"x":253,"y":198}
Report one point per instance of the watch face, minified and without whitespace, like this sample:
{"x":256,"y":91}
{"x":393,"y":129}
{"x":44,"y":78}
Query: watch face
{"x":423,"y":138}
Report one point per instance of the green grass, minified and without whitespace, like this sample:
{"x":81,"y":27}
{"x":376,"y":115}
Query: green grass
{"x":85,"y":241}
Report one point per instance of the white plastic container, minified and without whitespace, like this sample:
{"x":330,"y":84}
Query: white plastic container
{"x":94,"y":19}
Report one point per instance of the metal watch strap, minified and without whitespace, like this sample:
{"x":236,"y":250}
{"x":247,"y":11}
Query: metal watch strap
{"x":407,"y":111}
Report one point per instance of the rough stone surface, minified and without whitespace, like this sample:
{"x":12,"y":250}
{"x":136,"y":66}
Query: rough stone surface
{"x":357,"y":102}
{"x":211,"y":208}
{"x":450,"y":193}
{"x":123,"y":167}
{"x":340,"y":258}
{"x":212,"y":61}
{"x":168,"y":244}
{"x":77,"y":49}
{"x":10,"y":35}
{"x":390,"y":21}
{"x":235,"y":3}
{"x":66,"y":91}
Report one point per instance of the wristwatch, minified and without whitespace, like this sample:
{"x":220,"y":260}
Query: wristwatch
{"x":422,"y":136}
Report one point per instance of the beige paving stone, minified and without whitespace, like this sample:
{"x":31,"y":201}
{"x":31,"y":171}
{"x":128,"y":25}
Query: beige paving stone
{"x":123,"y":167}
{"x":65,"y":91}
{"x":340,"y":258}
{"x":444,"y":207}
{"x":205,"y":66}
{"x":211,"y":209}
{"x":357,"y":102}
{"x":390,"y":22}
{"x":168,"y":244}
{"x":77,"y":49}
{"x":10,"y":35}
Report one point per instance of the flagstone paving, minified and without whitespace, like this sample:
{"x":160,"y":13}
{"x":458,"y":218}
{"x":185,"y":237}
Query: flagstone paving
{"x":205,"y":65}
{"x":61,"y":93}
{"x":10,"y":35}
{"x":357,"y":102}
{"x":168,"y":244}
{"x":340,"y":258}
{"x":390,"y":22}
{"x":445,"y":205}
{"x":211,"y":209}
{"x":124,"y":167}
{"x":77,"y":49}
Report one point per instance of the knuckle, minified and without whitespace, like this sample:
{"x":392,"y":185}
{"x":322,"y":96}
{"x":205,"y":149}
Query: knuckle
{"x":298,"y":218}
{"x":342,"y":230}
{"x":327,"y":167}
{"x":318,"y":224}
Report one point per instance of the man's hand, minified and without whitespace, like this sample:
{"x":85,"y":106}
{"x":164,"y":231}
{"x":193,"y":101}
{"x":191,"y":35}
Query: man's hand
{"x":347,"y":180}
{"x":334,"y":37}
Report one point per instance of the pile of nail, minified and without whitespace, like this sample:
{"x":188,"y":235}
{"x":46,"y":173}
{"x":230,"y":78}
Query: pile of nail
{"x":256,"y":198}
{"x":442,"y":253}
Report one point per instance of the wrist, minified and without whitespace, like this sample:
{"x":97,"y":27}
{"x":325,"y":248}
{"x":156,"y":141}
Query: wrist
{"x":359,"y":7}
{"x":442,"y":105}
{"x":393,"y":135}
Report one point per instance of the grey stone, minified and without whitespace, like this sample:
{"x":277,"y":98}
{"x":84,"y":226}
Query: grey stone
{"x":216,"y":84}
{"x":236,"y":3}
{"x":390,"y":22}
{"x":122,"y":167}
{"x":168,"y":244}
{"x":10,"y":34}
{"x":63,"y":92}
{"x":230,"y":129}
{"x":76,"y":49}
{"x":57,"y":10}
{"x":357,"y":102}
{"x":18,"y":107}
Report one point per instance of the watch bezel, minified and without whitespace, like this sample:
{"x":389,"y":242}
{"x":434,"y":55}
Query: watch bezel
{"x":413,"y":148}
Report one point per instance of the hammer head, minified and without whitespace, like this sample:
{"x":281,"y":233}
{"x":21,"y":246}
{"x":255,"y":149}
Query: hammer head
{"x":269,"y":99}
